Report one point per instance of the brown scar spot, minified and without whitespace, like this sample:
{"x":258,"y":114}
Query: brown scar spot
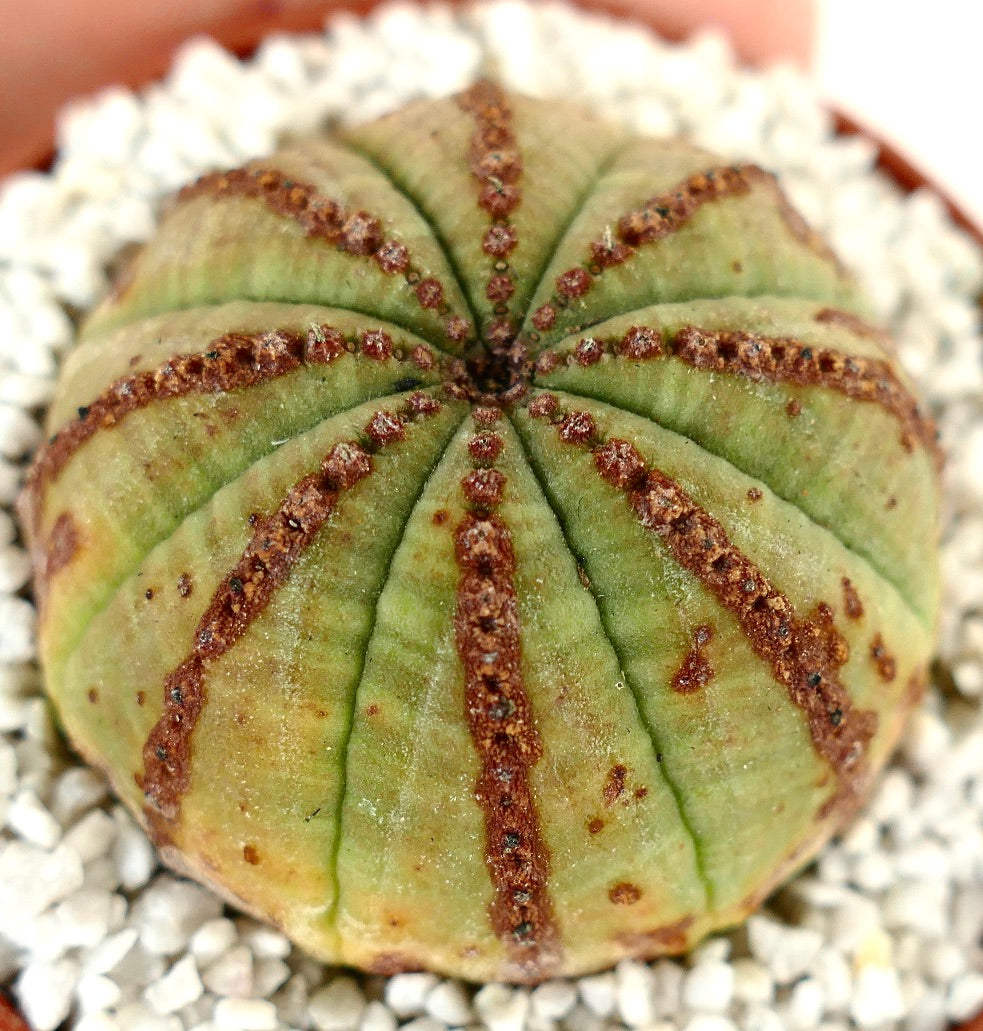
{"x":141,"y":698}
{"x":440,"y":517}
{"x":887,"y":667}
{"x":794,"y":408}
{"x":595,"y":826}
{"x":63,"y":545}
{"x":372,"y":710}
{"x":250,"y":854}
{"x":624,"y":894}
{"x":754,"y":494}
{"x":614,"y":784}
{"x":386,"y":964}
{"x":670,"y":938}
{"x":786,"y":360}
{"x":851,"y":600}
{"x":583,"y":577}
{"x":93,"y":695}
{"x":185,"y":585}
{"x":500,"y":720}
{"x":695,"y":671}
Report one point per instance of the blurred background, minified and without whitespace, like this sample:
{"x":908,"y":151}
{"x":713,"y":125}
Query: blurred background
{"x":912,"y":72}
{"x":909,"y":70}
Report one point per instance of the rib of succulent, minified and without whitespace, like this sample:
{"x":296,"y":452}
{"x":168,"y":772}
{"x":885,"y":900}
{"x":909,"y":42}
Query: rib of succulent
{"x":486,"y":542}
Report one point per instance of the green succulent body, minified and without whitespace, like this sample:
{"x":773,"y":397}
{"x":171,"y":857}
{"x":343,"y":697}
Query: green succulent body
{"x":487,"y":541}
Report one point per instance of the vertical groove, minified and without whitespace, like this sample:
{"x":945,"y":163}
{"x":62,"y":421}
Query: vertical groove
{"x":609,"y":636}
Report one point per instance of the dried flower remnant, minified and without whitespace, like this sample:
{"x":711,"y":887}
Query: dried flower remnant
{"x":304,"y":443}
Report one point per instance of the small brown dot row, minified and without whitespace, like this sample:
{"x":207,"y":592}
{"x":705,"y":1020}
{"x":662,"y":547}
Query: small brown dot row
{"x":657,"y":218}
{"x":786,"y":360}
{"x":276,"y":543}
{"x":229,"y":362}
{"x":496,"y":164}
{"x":488,"y":639}
{"x":755,"y":357}
{"x":805,"y":654}
{"x":358,"y":233}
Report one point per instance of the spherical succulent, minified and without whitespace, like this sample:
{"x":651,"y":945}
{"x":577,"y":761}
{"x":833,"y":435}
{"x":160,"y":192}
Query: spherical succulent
{"x":486,"y":541}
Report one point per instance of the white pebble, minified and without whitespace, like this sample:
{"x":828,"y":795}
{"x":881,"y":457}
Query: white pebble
{"x":752,"y":982}
{"x":178,"y":987}
{"x":263,"y":941}
{"x":134,"y":855}
{"x":104,"y":958}
{"x":377,"y":1017}
{"x":423,"y":1024}
{"x":212,"y":939}
{"x":31,"y":880}
{"x":268,"y":974}
{"x":554,"y":999}
{"x":29,"y":819}
{"x":762,"y":1018}
{"x":231,"y":974}
{"x":876,"y":996}
{"x":338,"y":1006}
{"x":449,"y":1003}
{"x":965,"y":998}
{"x":636,"y":992}
{"x":709,"y":1022}
{"x":45,"y":992}
{"x":406,"y":994}
{"x":170,"y":911}
{"x":135,"y":1016}
{"x":805,"y":1004}
{"x":245,"y":1015}
{"x":667,"y":996}
{"x":502,"y":1008}
{"x":832,"y":971}
{"x":97,"y":992}
{"x":787,"y":952}
{"x":88,"y":915}
{"x":709,"y":987}
{"x":92,"y":836}
{"x":598,"y":993}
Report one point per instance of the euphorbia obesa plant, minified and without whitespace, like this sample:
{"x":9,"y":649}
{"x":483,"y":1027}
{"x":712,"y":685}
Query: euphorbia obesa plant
{"x":486,"y":541}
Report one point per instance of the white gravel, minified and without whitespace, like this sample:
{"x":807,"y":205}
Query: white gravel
{"x":883,"y":931}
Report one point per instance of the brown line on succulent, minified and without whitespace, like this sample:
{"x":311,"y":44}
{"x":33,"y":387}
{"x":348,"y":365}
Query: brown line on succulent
{"x":229,"y":362}
{"x":496,"y":164}
{"x":805,"y":654}
{"x":358,"y":233}
{"x":773,"y":359}
{"x":277,"y":542}
{"x":500,"y":720}
{"x":663,"y":215}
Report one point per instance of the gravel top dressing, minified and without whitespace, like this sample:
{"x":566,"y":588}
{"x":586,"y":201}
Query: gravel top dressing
{"x":883,"y":930}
